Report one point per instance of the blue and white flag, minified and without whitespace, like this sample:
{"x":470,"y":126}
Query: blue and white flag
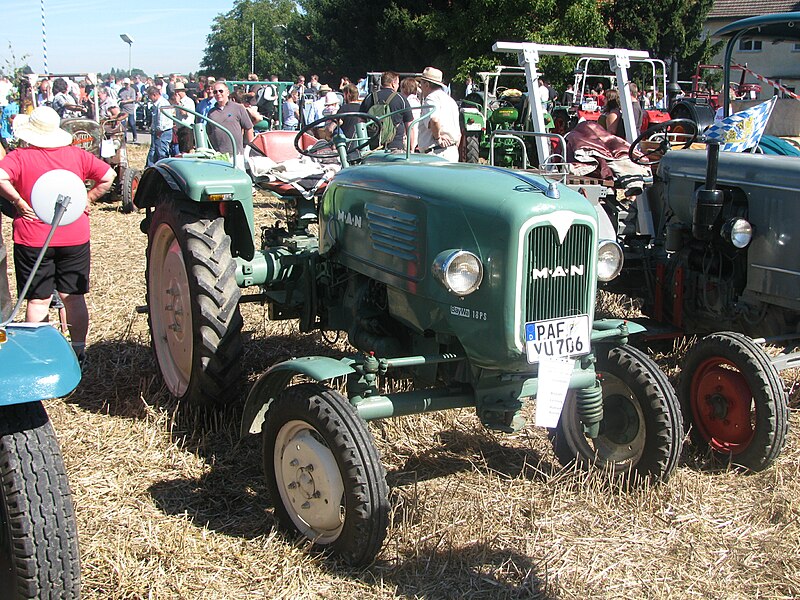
{"x":742,"y":130}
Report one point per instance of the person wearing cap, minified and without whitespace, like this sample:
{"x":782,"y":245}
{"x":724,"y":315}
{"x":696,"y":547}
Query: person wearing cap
{"x":46,"y":147}
{"x":388,"y":93}
{"x":185,"y":102}
{"x":441,"y":133}
{"x":128,"y":97}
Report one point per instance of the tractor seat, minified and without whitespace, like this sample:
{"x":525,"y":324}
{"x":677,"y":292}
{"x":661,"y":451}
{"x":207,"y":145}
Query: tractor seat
{"x":279,"y":145}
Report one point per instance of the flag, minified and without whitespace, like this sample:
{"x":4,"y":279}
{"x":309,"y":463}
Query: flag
{"x":742,"y":130}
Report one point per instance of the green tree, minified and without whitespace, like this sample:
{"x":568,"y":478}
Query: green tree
{"x":668,"y":29}
{"x":228,"y":51}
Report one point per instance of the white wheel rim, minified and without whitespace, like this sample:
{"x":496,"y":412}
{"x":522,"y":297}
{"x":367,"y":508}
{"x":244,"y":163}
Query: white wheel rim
{"x":309,"y":481}
{"x":171,"y":310}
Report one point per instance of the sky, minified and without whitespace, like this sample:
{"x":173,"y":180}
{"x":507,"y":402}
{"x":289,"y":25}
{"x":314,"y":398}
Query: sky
{"x":84,"y":35}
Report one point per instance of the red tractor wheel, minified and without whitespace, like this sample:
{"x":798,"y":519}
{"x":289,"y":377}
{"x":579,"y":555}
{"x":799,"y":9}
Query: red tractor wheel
{"x":733,"y":398}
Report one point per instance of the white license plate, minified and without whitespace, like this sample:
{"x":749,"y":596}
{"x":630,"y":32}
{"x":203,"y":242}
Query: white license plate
{"x":568,"y":336}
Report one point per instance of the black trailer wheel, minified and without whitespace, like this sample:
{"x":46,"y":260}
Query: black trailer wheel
{"x":473,"y":150}
{"x":641,"y":432}
{"x":130,"y":182}
{"x":324,"y":473}
{"x":193,"y":299}
{"x":38,"y":536}
{"x":733,"y":397}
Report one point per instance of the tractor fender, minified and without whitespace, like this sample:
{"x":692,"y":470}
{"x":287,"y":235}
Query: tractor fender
{"x":271,"y":383}
{"x":37,"y":363}
{"x":198,"y":181}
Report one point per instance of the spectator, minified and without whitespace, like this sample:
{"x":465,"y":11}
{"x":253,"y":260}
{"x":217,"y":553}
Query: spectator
{"x":611,"y":115}
{"x":568,"y":99}
{"x":314,"y":84}
{"x":207,"y":102}
{"x":388,"y":93}
{"x":235,"y":119}
{"x":184,"y":101}
{"x":441,"y":133}
{"x":63,"y":103}
{"x":5,"y":89}
{"x":109,"y":109}
{"x":291,"y":112}
{"x":638,"y":113}
{"x":10,"y":110}
{"x":409,"y":87}
{"x":66,"y":264}
{"x":128,"y":97}
{"x":160,"y":127}
{"x":45,"y":95}
{"x":351,"y":105}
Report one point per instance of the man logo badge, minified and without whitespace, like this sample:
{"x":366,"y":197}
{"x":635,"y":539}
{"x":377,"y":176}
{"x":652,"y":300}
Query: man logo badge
{"x":570,"y":271}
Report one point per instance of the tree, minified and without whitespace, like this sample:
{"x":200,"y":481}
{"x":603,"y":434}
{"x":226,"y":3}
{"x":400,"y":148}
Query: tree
{"x":668,"y":29}
{"x":228,"y":51}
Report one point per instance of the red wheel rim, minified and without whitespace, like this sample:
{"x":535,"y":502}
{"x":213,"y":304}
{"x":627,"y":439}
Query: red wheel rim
{"x":722,"y":406}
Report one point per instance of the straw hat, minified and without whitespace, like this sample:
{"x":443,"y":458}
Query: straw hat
{"x":179,"y":86}
{"x":432,"y":75}
{"x":41,"y":128}
{"x":331,"y":98}
{"x":324,"y":88}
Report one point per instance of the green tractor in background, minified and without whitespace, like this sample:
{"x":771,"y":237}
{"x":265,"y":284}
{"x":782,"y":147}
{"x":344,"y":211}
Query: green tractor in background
{"x":497,"y":120}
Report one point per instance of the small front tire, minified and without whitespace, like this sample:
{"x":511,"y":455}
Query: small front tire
{"x":130,"y":183}
{"x":324,"y":474}
{"x":641,"y":432}
{"x":733,"y":399}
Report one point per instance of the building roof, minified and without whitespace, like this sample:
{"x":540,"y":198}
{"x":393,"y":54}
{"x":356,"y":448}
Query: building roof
{"x":725,"y":9}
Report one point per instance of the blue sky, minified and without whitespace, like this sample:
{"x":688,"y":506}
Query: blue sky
{"x":83,"y":35}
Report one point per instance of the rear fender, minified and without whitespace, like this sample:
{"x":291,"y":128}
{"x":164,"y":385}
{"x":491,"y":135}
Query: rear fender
{"x":271,"y":383}
{"x":198,"y":181}
{"x":36,"y":363}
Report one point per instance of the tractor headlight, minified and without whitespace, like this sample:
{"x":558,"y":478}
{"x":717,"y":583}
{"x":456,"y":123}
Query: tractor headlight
{"x":459,"y":271}
{"x":609,"y":260}
{"x":738,"y":232}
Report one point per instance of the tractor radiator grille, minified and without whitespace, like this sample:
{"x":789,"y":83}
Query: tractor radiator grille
{"x":393,"y":231}
{"x":559,"y":276}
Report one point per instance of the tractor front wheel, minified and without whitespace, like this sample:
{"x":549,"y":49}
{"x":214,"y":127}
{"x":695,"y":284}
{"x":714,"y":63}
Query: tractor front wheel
{"x":193,"y":300}
{"x":733,"y":399}
{"x":641,"y":431}
{"x":324,"y":474}
{"x":38,"y":536}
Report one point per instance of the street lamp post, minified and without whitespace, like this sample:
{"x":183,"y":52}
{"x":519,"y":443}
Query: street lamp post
{"x":128,"y":40}
{"x":285,"y":49}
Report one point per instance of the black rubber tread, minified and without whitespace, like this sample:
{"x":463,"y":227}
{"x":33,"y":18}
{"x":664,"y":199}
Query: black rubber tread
{"x":348,"y":437}
{"x":39,"y":541}
{"x":660,"y":408}
{"x":216,"y":374}
{"x":473,"y":150}
{"x":131,"y":175}
{"x":770,"y":399}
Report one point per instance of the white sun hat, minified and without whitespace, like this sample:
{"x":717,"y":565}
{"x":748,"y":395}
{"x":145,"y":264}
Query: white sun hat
{"x":41,"y":128}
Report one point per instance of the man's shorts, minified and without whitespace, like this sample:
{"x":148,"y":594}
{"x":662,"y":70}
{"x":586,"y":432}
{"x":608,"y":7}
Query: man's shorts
{"x":64,"y":268}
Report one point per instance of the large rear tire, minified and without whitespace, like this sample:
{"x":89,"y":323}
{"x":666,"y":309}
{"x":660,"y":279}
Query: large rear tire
{"x":324,"y":473}
{"x":38,"y":536}
{"x":193,"y":299}
{"x":641,"y":432}
{"x":734,"y":400}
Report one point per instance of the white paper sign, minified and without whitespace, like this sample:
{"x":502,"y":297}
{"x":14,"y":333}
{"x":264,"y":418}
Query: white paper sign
{"x":554,"y":374}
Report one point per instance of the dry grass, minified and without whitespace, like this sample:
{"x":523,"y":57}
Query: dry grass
{"x":171,"y":511}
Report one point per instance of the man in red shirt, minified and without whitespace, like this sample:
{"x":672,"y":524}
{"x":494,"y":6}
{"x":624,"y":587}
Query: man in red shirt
{"x":45,"y":147}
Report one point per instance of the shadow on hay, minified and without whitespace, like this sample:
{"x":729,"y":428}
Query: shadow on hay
{"x":119,"y":377}
{"x":460,"y":451}
{"x":475,"y":570}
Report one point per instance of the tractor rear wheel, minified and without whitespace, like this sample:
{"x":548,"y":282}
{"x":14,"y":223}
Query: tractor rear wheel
{"x":130,"y":182}
{"x":38,"y":535}
{"x":734,"y":400}
{"x":324,"y":474}
{"x":473,"y":149}
{"x":641,"y":432}
{"x":193,"y":300}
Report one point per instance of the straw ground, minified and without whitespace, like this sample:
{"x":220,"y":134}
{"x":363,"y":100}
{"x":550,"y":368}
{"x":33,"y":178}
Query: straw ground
{"x":169,"y":507}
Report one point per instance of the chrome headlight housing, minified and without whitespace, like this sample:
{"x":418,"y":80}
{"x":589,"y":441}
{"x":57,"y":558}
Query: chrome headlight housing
{"x":738,"y":232}
{"x":609,"y":260}
{"x":459,"y":271}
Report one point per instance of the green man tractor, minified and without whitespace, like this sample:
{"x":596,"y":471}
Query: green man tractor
{"x":476,"y":282}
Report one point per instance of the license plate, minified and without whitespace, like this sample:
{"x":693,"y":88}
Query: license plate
{"x":568,"y":336}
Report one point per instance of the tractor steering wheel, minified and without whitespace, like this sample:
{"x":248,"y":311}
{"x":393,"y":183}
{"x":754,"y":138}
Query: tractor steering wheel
{"x":337,"y":140}
{"x":665,"y":128}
